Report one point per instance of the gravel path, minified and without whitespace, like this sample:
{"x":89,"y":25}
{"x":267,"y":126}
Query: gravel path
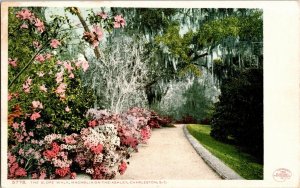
{"x":168,"y":155}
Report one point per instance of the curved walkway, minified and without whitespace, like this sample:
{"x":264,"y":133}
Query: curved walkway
{"x":168,"y":155}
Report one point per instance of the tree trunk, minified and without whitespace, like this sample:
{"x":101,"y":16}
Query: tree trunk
{"x":76,"y":11}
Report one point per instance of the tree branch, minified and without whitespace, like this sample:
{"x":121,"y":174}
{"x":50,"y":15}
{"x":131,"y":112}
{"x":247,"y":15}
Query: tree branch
{"x":27,"y":65}
{"x":76,"y":11}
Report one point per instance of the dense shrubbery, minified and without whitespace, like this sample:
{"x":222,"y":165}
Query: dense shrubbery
{"x":239,"y":113}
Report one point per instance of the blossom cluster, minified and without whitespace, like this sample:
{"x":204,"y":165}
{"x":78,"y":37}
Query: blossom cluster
{"x":96,"y":34}
{"x":29,"y":18}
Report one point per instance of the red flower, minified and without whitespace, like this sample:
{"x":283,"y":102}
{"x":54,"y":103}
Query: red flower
{"x":53,"y":152}
{"x":20,"y":172}
{"x":62,"y":172}
{"x":145,"y":133}
{"x":92,"y":123}
{"x":55,"y":147}
{"x":97,"y":149}
{"x":122,"y":168}
{"x":49,"y":154}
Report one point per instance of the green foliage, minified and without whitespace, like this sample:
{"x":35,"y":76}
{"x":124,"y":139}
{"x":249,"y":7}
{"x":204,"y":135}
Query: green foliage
{"x":242,"y":163}
{"x":216,"y":30}
{"x":239,"y":113}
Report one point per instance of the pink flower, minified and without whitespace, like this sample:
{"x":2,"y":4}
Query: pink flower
{"x":85,"y":65}
{"x":26,"y":88}
{"x":68,"y":66}
{"x":59,"y":62}
{"x":37,"y":104}
{"x":9,"y":96}
{"x":15,"y":125}
{"x":24,"y":14}
{"x":70,"y":140}
{"x":98,"y":32}
{"x":92,"y":123}
{"x":117,"y":25}
{"x":118,"y":18}
{"x":12,"y":62}
{"x":103,"y":15}
{"x":35,"y":116}
{"x":71,"y":75}
{"x":24,"y":26}
{"x":36,"y":44}
{"x":73,"y":175}
{"x":59,"y":77}
{"x":78,"y":64}
{"x":39,"y":25}
{"x":43,"y":88}
{"x":30,"y":133}
{"x":67,"y":109}
{"x":11,"y":158}
{"x":21,"y":151}
{"x":119,"y":21}
{"x":54,"y":43}
{"x":61,"y":88}
{"x":42,"y":175}
{"x":40,"y":58}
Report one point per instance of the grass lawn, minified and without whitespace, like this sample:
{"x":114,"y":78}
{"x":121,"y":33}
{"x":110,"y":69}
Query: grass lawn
{"x":242,"y":163}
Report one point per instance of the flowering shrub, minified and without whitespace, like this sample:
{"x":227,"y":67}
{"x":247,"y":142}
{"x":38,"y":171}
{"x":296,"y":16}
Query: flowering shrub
{"x":45,"y":94}
{"x":100,"y":150}
{"x":52,"y":133}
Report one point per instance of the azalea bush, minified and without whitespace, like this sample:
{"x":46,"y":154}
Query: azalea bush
{"x":44,"y":91}
{"x":53,"y":131}
{"x":101,"y":149}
